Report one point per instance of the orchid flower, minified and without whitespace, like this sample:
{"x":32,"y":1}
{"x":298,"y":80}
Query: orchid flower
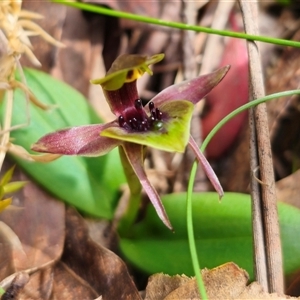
{"x":164,"y":123}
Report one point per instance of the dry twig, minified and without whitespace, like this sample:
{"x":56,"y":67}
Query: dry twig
{"x":267,"y":243}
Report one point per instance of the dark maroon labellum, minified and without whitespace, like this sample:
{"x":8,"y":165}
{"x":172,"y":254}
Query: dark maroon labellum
{"x":138,"y":120}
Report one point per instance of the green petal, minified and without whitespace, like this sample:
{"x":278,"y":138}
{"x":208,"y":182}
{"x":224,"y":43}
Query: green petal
{"x":119,"y":73}
{"x":172,"y":134}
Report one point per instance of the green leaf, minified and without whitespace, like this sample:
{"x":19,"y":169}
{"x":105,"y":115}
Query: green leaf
{"x":90,"y":184}
{"x":222,"y":232}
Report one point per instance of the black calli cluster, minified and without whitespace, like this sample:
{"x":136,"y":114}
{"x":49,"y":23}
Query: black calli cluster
{"x":137,"y":119}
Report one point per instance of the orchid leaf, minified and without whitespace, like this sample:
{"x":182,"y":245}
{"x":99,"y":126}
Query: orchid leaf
{"x":86,"y":183}
{"x":171,"y":134}
{"x":223,"y":233}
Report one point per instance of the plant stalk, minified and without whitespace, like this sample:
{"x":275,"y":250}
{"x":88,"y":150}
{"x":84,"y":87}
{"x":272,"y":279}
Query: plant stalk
{"x":144,"y":19}
{"x":268,"y":265}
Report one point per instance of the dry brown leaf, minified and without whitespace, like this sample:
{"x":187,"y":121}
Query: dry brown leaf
{"x":39,"y":286}
{"x":32,"y":238}
{"x":224,"y":282}
{"x":39,"y":225}
{"x":103,"y":270}
{"x":161,"y":285}
{"x":68,"y":285}
{"x":13,"y":256}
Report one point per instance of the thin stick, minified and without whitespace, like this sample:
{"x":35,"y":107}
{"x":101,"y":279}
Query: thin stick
{"x":264,"y":205}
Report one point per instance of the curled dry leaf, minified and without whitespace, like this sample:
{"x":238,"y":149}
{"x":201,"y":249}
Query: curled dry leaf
{"x":227,"y":281}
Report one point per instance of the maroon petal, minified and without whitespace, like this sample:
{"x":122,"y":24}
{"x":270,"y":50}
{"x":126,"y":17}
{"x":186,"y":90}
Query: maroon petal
{"x":122,"y":99}
{"x":81,"y":140}
{"x":206,"y":167}
{"x":191,"y":90}
{"x":135,"y":157}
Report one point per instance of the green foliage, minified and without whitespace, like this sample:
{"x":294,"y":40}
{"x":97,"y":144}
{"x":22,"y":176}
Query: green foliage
{"x":90,"y":184}
{"x":222,"y":233}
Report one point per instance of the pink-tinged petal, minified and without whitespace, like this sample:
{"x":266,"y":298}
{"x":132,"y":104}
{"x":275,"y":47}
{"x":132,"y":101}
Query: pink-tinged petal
{"x":191,"y":90}
{"x":134,"y":154}
{"x":81,"y":140}
{"x":171,"y":134}
{"x":206,"y":167}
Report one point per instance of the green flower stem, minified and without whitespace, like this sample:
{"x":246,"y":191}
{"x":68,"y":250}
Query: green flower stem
{"x":144,"y":19}
{"x":191,"y":237}
{"x":190,"y":230}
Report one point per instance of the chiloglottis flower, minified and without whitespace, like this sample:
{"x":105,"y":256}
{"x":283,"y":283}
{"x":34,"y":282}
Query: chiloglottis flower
{"x":164,"y":123}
